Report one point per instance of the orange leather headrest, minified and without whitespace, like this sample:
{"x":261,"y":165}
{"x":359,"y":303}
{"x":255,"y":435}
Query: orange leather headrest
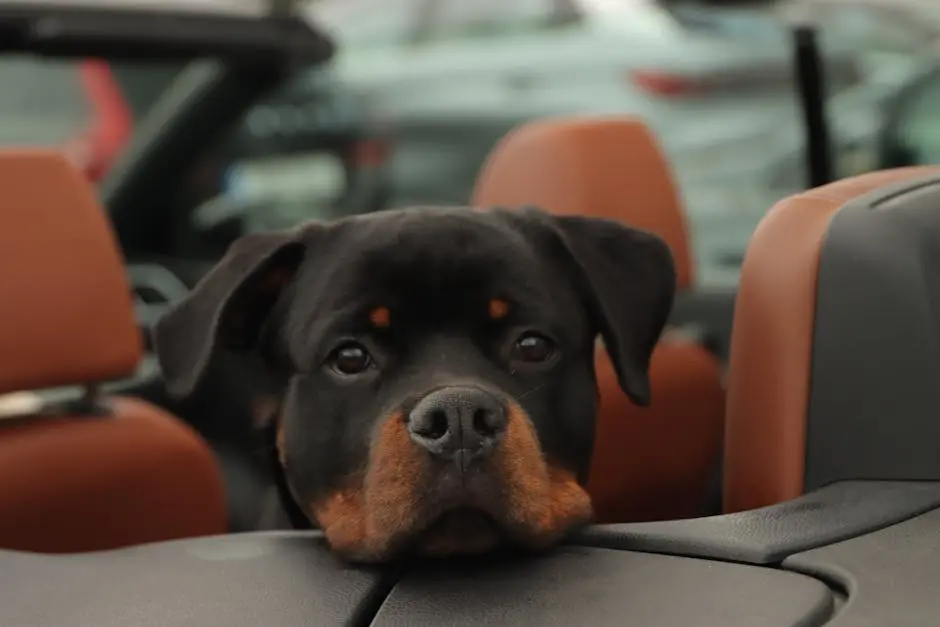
{"x":66,"y":309}
{"x":608,"y":167}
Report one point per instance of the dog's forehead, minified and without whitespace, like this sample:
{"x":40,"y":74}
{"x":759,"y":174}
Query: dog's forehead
{"x":430,"y":270}
{"x":438,"y":250}
{"x":421,"y":232}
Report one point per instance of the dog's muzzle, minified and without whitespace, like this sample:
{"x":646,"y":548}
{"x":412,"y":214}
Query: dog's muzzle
{"x":460,"y":472}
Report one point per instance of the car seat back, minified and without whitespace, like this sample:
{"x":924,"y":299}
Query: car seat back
{"x":835,"y":354}
{"x":88,"y":472}
{"x":654,"y":462}
{"x":601,"y":167}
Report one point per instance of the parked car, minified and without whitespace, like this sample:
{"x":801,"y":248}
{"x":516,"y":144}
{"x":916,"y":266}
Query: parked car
{"x":714,"y":81}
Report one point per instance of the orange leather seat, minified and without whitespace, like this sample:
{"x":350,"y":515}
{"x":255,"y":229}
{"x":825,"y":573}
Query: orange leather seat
{"x":832,"y":368}
{"x":649,"y":463}
{"x":94,"y":472}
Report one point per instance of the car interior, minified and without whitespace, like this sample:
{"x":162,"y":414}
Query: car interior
{"x":785,"y":474}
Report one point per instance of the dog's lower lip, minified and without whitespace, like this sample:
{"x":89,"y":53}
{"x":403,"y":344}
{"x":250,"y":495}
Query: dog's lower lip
{"x":459,"y":531}
{"x":463,"y":520}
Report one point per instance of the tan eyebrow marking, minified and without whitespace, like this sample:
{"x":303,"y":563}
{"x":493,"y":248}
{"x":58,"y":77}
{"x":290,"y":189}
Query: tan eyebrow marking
{"x":380,"y":317}
{"x":498,"y":309}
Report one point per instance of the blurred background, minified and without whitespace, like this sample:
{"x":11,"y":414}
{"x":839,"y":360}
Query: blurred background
{"x":421,"y":90}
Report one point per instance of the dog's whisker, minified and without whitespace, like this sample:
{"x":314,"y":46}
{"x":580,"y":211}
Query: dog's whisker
{"x":532,"y":390}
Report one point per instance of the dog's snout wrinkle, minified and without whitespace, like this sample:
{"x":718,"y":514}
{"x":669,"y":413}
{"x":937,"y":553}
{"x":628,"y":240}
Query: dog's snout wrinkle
{"x":457,"y":423}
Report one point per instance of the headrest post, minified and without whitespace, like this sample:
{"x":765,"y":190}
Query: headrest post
{"x":90,"y":400}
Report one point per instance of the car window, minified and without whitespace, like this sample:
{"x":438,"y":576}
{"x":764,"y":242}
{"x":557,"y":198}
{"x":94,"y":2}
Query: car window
{"x":141,"y":85}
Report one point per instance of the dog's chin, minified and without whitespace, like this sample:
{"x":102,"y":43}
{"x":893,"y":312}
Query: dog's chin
{"x":466,"y":527}
{"x":462,"y":531}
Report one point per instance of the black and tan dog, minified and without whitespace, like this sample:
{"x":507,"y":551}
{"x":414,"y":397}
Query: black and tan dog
{"x":438,"y":365}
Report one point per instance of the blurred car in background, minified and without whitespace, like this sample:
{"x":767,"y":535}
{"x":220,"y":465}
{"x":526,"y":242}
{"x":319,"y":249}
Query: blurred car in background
{"x":312,"y":146}
{"x":713,"y":80}
{"x":312,"y":149}
{"x":883,"y":29}
{"x":893,"y":39}
{"x":422,"y":90}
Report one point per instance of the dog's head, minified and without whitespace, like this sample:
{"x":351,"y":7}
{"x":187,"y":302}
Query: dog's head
{"x":439,"y":365}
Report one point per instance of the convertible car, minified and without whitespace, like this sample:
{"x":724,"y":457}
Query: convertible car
{"x":786,"y":475}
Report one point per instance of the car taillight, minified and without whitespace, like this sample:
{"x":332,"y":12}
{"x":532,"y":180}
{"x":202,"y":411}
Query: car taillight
{"x":663,"y":84}
{"x":370,"y":152}
{"x":112,"y":121}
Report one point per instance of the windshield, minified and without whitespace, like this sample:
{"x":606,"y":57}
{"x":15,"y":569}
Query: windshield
{"x":421,"y":90}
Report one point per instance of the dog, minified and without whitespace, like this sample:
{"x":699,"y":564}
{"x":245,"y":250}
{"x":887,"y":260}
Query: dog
{"x":437,"y":366}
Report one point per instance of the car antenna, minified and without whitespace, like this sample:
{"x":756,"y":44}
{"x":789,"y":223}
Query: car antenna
{"x":811,"y":87}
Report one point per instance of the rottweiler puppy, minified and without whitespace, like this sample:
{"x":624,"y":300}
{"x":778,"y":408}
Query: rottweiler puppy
{"x":439,"y":393}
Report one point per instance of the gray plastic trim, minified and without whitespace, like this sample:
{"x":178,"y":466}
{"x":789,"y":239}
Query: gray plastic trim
{"x":602,"y":588}
{"x":242,"y":580}
{"x":892,"y":576}
{"x":769,"y":534}
{"x":876,"y":346}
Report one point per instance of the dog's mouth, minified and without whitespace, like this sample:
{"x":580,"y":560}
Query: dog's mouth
{"x":460,"y":531}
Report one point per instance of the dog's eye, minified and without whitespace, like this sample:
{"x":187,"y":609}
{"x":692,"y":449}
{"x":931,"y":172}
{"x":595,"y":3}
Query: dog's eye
{"x":350,"y":359}
{"x":533,"y":347}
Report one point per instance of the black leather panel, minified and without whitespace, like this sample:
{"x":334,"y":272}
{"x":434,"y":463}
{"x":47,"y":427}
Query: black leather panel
{"x":872,"y":411}
{"x":769,"y":534}
{"x":600,"y":588}
{"x":892,"y":576}
{"x":270,"y":579}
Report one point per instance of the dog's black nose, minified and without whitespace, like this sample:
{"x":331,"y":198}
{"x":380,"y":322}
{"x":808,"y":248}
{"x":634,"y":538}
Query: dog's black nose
{"x":457,"y":422}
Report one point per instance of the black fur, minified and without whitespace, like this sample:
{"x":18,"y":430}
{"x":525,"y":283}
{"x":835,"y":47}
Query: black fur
{"x":293,"y":297}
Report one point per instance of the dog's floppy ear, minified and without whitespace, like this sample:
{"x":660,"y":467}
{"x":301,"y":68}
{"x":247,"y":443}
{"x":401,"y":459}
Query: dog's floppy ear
{"x":628,"y":279}
{"x":227,"y":307}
